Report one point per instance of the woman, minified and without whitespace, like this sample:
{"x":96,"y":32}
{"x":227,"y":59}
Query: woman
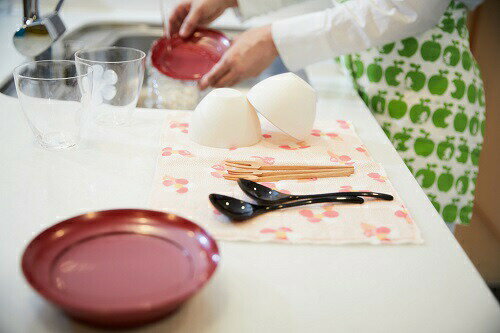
{"x":410,"y":62}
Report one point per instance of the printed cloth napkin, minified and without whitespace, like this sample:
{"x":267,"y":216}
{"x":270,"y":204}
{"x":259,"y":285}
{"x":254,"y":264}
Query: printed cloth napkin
{"x":187,"y":173}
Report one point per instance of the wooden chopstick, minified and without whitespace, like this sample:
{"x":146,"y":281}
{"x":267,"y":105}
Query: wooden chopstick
{"x":243,"y":172}
{"x":329,"y":174}
{"x":289,"y":167}
{"x":296,"y":167}
{"x":258,"y":171}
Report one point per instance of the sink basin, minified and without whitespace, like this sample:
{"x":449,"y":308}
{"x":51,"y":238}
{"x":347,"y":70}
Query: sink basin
{"x":137,"y":35}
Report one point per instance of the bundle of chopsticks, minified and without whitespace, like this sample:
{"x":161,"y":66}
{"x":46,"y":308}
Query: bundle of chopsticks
{"x":260,"y":172}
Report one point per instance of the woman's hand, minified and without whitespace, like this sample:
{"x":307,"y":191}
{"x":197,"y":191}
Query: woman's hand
{"x":251,"y":53}
{"x":190,"y":14}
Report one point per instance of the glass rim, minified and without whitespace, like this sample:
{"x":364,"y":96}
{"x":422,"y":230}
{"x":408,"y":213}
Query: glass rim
{"x":107,"y":48}
{"x":72,"y":62}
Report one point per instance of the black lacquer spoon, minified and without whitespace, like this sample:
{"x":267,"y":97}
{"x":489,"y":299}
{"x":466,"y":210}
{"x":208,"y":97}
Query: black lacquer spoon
{"x":240,"y":210}
{"x":265,"y":195}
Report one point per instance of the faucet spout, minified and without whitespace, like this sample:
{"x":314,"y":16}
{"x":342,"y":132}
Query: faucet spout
{"x":37,"y":33}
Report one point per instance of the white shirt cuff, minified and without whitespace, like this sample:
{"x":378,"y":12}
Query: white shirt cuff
{"x":249,"y":8}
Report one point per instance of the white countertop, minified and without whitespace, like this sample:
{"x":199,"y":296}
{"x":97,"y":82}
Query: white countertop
{"x":258,"y":287}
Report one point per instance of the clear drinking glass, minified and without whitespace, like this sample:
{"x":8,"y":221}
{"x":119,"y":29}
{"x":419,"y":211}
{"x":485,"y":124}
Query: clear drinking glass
{"x":54,"y":98}
{"x":118,"y":73}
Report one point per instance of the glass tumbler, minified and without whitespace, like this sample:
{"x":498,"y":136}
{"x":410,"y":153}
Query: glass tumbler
{"x":54,"y":97}
{"x":117,"y":82}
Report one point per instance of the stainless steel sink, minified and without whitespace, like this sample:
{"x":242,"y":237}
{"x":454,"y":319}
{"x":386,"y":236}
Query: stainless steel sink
{"x":136,"y":35}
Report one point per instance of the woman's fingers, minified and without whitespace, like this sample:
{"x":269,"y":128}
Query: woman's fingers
{"x":227,"y":80}
{"x":177,"y":17}
{"x":253,"y":52}
{"x":190,"y":14}
{"x":173,"y":27}
{"x":216,"y":73}
{"x":190,"y":22}
{"x":212,"y":77}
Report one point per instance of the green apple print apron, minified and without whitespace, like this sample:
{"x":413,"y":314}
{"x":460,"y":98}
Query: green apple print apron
{"x":427,"y":94}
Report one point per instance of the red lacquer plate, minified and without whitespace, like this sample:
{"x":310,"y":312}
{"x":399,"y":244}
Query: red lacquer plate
{"x":191,"y":58}
{"x":120,"y":268}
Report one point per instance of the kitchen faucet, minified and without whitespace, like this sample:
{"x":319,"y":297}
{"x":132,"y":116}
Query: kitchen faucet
{"x":37,"y":33}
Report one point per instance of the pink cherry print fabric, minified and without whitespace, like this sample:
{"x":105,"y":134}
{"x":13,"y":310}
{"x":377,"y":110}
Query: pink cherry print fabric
{"x":187,"y":173}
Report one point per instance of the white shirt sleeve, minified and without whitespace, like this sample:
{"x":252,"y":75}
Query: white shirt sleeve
{"x":250,"y":8}
{"x":352,"y":26}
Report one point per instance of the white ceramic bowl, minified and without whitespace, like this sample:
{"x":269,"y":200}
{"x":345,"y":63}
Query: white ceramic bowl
{"x":225,"y":119}
{"x":287,"y":101}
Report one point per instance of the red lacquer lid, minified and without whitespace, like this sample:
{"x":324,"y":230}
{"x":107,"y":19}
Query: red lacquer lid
{"x":120,"y":268}
{"x":191,"y":58}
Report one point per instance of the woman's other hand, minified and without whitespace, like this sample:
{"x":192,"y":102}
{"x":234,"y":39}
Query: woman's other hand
{"x":190,"y":14}
{"x":251,"y":53}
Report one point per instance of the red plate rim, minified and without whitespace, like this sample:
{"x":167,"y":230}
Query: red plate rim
{"x":157,"y":44}
{"x":160,"y":219}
